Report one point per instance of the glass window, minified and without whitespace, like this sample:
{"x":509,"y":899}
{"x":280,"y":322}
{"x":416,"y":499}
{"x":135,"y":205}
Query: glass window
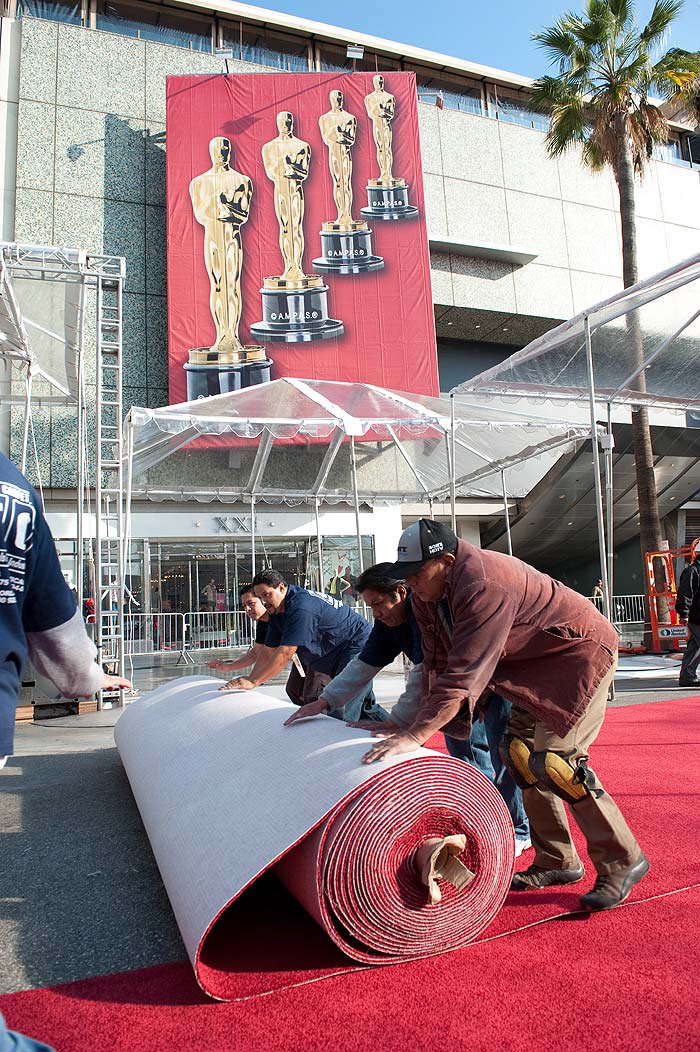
{"x":457,"y":94}
{"x":514,"y":108}
{"x":54,"y":10}
{"x":334,"y":59}
{"x":163,"y":24}
{"x":672,"y":152}
{"x":275,"y":50}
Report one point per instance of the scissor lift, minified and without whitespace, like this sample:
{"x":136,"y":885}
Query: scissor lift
{"x":666,"y":631}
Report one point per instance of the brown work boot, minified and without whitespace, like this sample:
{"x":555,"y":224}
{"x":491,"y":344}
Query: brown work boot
{"x":537,"y":877}
{"x":610,"y":889}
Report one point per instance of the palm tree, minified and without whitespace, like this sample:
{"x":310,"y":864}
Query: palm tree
{"x":687,"y":93}
{"x":607,"y":67}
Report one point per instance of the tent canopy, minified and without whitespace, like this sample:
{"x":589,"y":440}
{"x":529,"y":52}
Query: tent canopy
{"x":41,"y":312}
{"x":292,"y":441}
{"x":645,"y":342}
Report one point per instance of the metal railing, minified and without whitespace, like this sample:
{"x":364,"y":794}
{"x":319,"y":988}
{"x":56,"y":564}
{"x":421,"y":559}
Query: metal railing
{"x":199,"y":630}
{"x":626,"y":609}
{"x":154,"y":633}
{"x":212,"y":630}
{"x":193,"y":630}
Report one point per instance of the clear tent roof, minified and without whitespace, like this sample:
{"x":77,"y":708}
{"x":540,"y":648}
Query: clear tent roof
{"x":40,"y":323}
{"x":289,"y":441}
{"x":645,"y":342}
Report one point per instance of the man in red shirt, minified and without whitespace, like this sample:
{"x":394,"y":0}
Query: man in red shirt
{"x":491,"y":622}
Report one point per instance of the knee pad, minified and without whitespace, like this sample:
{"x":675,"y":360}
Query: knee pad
{"x":554,"y":772}
{"x":516,"y":754}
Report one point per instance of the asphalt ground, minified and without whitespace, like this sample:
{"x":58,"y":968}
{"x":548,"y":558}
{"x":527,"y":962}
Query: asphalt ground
{"x":80,"y":893}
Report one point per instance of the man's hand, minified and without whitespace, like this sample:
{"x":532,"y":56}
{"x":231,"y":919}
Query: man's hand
{"x":221,"y":666}
{"x":379,"y":728}
{"x":313,"y":708}
{"x":116,"y":681}
{"x":239,"y":684}
{"x":393,"y":746}
{"x":682,"y":620}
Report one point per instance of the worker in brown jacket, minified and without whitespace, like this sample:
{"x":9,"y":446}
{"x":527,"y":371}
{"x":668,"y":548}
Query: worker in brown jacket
{"x":491,"y":622}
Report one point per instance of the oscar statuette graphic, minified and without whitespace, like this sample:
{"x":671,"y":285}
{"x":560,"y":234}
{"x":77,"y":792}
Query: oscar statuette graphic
{"x":295,"y":305}
{"x":387,"y":197}
{"x":221,"y":200}
{"x":346,"y":243}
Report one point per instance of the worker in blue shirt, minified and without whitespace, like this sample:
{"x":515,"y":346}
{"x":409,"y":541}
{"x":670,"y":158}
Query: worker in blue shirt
{"x":39,"y":619}
{"x":325,"y":635}
{"x":38,"y":613}
{"x":396,"y":631}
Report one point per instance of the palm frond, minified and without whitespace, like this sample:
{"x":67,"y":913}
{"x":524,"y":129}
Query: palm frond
{"x":675,"y":73}
{"x":659,"y":22}
{"x":622,"y":10}
{"x":594,"y":156}
{"x":567,"y":126}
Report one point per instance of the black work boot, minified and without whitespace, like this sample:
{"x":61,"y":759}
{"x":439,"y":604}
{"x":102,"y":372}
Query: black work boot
{"x":536,"y":877}
{"x":610,"y":889}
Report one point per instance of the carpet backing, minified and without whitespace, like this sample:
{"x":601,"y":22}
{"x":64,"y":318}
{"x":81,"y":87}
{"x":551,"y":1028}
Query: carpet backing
{"x":226,"y":793}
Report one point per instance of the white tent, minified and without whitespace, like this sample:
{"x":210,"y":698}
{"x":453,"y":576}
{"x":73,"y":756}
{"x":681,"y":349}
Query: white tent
{"x":644,"y":345}
{"x":306,"y":441}
{"x":640,"y":347}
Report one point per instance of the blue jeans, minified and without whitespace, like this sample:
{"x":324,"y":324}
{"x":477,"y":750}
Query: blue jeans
{"x":10,"y":1041}
{"x":481,"y":751}
{"x":363,"y":706}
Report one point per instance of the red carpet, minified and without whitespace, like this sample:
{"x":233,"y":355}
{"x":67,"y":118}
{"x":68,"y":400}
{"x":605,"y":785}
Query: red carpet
{"x":620,"y":980}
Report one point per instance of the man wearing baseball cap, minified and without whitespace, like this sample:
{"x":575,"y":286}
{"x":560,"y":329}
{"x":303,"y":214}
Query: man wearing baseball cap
{"x":491,"y":622}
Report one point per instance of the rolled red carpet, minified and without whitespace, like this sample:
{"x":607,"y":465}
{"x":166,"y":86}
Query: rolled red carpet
{"x":226,"y":792}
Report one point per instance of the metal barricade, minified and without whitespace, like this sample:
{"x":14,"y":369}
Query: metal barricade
{"x":163,"y":633}
{"x":626,"y":609}
{"x":218,"y":629}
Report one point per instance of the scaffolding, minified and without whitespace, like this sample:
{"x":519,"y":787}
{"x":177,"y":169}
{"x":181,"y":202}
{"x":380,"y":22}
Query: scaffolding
{"x":42,"y":335}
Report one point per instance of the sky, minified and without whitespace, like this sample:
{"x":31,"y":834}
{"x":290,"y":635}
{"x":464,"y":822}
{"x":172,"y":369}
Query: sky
{"x":496,"y":33}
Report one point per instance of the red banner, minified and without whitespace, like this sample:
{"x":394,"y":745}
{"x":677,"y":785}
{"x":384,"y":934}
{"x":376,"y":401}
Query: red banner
{"x":297,"y":242}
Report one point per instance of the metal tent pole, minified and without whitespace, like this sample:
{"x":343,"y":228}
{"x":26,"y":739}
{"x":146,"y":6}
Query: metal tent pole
{"x":453,"y":466}
{"x":27,"y":418}
{"x":319,"y":546}
{"x":80,"y":481}
{"x":596,"y":468}
{"x":609,"y":508}
{"x":356,"y":501}
{"x":609,"y":498}
{"x":252,"y":534}
{"x":505,"y":512}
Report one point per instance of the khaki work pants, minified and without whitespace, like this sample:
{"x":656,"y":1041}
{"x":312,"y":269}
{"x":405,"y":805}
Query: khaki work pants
{"x":609,"y":840}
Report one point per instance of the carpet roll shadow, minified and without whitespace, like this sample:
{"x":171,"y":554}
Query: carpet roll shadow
{"x":227,"y":793}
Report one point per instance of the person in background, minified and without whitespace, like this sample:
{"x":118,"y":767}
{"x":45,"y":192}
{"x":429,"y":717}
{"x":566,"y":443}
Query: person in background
{"x":323,"y":633}
{"x":688,"y":612}
{"x":38,"y":619}
{"x":258,"y":615}
{"x":490,"y":621}
{"x":210,"y":592}
{"x":112,"y":590}
{"x":302,"y":684}
{"x":597,"y":595}
{"x":396,"y":631}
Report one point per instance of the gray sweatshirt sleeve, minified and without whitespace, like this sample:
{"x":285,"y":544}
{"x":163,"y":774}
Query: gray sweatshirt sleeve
{"x":348,"y":683}
{"x":405,"y":710}
{"x":66,"y":655}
